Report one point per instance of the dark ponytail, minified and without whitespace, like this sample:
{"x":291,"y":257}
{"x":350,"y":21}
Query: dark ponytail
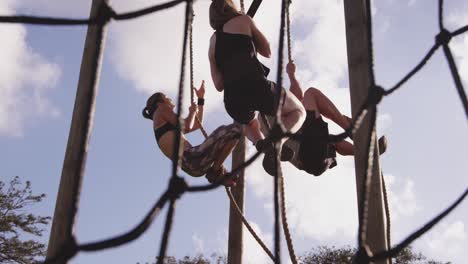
{"x":152,"y":105}
{"x":147,"y":113}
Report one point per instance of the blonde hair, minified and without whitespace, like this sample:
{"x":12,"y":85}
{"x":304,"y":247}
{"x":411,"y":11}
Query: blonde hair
{"x":221,"y":11}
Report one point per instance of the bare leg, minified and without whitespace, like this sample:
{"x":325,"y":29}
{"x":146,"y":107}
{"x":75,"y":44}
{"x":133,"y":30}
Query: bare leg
{"x":253,"y":132}
{"x":344,"y":148}
{"x":293,"y":113}
{"x":316,"y":100}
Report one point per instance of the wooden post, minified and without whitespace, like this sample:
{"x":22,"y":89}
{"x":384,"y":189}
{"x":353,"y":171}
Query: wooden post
{"x":235,"y":244}
{"x":357,"y":46}
{"x":77,"y":147}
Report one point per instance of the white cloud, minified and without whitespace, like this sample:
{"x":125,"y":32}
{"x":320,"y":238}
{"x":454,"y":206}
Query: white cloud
{"x":198,"y":244}
{"x":253,"y":253}
{"x":322,"y":48}
{"x":317,"y":207}
{"x":384,"y":121}
{"x":447,"y":242}
{"x":24,"y":78}
{"x":148,"y":51}
{"x":402,"y":197}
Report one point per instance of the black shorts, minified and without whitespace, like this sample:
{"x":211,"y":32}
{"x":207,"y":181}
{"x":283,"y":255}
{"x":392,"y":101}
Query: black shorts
{"x":242,"y":98}
{"x":315,"y":153}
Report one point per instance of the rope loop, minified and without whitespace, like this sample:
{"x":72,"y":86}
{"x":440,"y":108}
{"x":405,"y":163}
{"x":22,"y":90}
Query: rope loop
{"x":177,"y":187}
{"x":443,"y":38}
{"x":376,"y":93}
{"x":105,"y":14}
{"x":363,"y":255}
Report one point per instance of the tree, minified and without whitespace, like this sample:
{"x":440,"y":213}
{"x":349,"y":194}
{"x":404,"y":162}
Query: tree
{"x":15,"y":221}
{"x":318,"y":255}
{"x":199,"y":259}
{"x":333,"y":255}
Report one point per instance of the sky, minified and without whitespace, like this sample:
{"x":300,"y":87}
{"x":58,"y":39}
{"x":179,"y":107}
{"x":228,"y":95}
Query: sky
{"x":126,"y":173}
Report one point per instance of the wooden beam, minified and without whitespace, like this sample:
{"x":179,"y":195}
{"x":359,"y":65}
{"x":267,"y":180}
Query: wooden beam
{"x":77,"y":147}
{"x":235,"y":240}
{"x":235,"y":245}
{"x":359,"y":81}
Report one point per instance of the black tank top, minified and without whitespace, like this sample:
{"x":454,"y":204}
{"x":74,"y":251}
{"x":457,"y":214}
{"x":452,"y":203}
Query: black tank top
{"x":236,"y":57}
{"x":158,"y":132}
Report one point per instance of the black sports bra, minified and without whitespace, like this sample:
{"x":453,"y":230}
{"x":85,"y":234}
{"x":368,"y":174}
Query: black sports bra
{"x":158,"y":132}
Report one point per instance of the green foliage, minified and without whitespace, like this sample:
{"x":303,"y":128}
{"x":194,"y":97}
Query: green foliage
{"x":199,"y":259}
{"x":328,"y":255}
{"x":14,"y":221}
{"x":318,"y":255}
{"x":333,"y":255}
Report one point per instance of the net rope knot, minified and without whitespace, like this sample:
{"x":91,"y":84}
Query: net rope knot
{"x":177,"y":187}
{"x":363,"y":255}
{"x":375,"y":95}
{"x":444,"y":37}
{"x":105,"y":14}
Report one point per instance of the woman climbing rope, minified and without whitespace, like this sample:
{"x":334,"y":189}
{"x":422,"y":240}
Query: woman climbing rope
{"x":236,"y":70}
{"x":316,"y":154}
{"x":206,"y":158}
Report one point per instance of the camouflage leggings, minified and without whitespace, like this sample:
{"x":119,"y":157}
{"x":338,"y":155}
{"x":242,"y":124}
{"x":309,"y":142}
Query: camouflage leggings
{"x":198,"y":159}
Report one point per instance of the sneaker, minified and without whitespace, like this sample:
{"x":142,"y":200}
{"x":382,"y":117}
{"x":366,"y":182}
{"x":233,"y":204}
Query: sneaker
{"x":219,"y":177}
{"x":268,"y":162}
{"x":382,"y":145}
{"x":287,"y":153}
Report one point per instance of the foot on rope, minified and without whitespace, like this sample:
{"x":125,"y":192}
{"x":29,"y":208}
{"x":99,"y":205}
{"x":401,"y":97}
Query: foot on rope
{"x":267,"y":148}
{"x":382,"y":140}
{"x":219,"y":176}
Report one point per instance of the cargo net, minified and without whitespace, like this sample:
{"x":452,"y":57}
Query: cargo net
{"x":178,"y":186}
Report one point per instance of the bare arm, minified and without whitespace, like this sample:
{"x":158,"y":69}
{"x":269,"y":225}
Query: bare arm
{"x":170,"y":117}
{"x":295,"y":88}
{"x":215,"y":73}
{"x":261,"y":42}
{"x":200,"y":96}
{"x":190,"y":124}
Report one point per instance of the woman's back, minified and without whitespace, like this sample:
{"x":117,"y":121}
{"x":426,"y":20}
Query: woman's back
{"x":235,"y":53}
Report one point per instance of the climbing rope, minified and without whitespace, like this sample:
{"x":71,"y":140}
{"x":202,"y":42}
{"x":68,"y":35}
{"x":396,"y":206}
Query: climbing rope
{"x":288,"y":29}
{"x":387,"y":212}
{"x":284,"y":218}
{"x":177,"y":185}
{"x":242,"y":6}
{"x":287,"y":234}
{"x":192,"y":85}
{"x":249,"y":227}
